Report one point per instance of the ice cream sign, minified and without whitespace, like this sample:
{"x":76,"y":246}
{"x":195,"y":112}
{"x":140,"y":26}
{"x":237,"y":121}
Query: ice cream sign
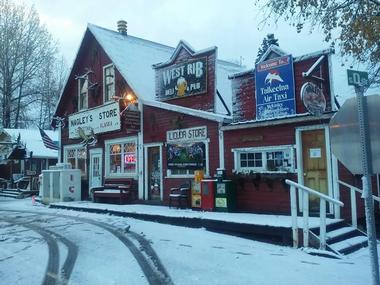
{"x":97,"y":120}
{"x":275,"y":88}
{"x":183,"y":79}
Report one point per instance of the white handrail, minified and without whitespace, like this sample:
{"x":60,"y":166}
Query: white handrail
{"x":314,"y":192}
{"x":354,"y":219}
{"x":322,"y":213}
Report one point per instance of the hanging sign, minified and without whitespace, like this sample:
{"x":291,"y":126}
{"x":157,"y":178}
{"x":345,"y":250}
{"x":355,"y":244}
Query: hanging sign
{"x":313,"y":99}
{"x":97,"y":120}
{"x":275,"y":88}
{"x":182,"y":79}
{"x":132,"y":120}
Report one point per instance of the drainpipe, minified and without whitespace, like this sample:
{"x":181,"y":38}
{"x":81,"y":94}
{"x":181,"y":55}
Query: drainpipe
{"x":221,"y":145}
{"x":141,"y":153}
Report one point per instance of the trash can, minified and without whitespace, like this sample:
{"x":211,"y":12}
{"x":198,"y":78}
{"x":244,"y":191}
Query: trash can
{"x":208,"y":194}
{"x":225,"y":196}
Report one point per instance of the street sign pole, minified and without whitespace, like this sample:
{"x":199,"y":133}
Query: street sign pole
{"x":367,"y":182}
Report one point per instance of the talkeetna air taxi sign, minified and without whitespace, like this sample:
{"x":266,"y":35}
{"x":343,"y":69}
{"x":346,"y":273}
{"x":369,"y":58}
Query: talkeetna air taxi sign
{"x":275,"y":88}
{"x":183,"y":79}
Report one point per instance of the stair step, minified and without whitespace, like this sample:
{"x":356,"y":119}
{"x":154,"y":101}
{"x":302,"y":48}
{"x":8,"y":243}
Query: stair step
{"x":341,"y":234}
{"x":330,"y":227}
{"x":349,"y":245}
{"x":10,"y":195}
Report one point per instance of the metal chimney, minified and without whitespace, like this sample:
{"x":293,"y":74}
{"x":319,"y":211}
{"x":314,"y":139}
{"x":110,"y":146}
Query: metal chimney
{"x":122,"y":27}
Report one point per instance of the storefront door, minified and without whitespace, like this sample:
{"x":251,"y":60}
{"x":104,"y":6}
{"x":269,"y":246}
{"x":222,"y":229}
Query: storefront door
{"x":95,"y":168}
{"x":314,"y":160}
{"x":153,"y":178}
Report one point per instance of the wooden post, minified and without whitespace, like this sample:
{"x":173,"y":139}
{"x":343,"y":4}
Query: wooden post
{"x":305,"y":219}
{"x":322,"y":229}
{"x":353,"y":208}
{"x":293,"y":208}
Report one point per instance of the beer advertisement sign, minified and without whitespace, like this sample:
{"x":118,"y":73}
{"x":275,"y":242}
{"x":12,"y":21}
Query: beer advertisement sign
{"x":275,"y":88}
{"x":182,"y":79}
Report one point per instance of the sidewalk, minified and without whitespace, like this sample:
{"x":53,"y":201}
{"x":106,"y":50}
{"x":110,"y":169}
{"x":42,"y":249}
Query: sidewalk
{"x":275,"y":229}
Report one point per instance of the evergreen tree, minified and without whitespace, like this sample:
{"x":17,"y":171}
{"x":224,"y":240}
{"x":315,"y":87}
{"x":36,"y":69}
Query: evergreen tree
{"x":267,"y":42}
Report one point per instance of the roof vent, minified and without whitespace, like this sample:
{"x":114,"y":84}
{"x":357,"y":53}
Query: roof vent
{"x":122,"y":27}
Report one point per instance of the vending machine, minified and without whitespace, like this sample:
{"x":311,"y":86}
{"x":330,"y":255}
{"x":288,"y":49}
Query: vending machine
{"x":196,"y":190}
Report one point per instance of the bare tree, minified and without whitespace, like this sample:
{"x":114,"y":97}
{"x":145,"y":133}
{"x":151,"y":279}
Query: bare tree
{"x":25,"y":44}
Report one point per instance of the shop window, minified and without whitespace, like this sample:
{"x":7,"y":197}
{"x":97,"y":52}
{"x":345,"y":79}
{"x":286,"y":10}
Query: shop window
{"x":121,"y":157}
{"x":108,"y":82}
{"x":184,"y":158}
{"x":83,"y":93}
{"x":76,"y":156}
{"x":264,"y":159}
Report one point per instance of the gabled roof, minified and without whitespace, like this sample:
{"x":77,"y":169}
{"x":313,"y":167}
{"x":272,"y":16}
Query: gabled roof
{"x":272,"y":49}
{"x":188,"y":111}
{"x":31,"y":138}
{"x":295,"y":59}
{"x":134,"y":59}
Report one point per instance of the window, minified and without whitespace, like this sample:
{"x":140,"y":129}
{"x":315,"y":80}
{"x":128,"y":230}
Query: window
{"x":109,"y":82}
{"x":184,"y":158}
{"x":83,"y":93}
{"x":264,"y":159}
{"x":121,"y":157}
{"x":76,"y":155}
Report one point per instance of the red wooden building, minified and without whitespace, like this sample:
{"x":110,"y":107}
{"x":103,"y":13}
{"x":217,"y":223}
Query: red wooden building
{"x":136,"y":109}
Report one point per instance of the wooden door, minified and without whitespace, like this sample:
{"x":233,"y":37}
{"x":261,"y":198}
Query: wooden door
{"x":314,"y":163}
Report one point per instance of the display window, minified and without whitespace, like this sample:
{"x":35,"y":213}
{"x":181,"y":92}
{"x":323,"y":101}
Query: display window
{"x":121,"y":157}
{"x":76,"y":156}
{"x":264,"y":159}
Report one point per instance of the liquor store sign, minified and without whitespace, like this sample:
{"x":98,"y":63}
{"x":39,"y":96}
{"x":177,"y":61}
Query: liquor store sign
{"x":99,"y":120}
{"x":182,"y":79}
{"x":190,"y":134}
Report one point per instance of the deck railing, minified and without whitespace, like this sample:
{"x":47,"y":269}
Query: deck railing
{"x":306,"y":191}
{"x":353,"y":189}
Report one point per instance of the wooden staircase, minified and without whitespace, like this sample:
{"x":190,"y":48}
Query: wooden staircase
{"x":17,"y":193}
{"x":341,"y":238}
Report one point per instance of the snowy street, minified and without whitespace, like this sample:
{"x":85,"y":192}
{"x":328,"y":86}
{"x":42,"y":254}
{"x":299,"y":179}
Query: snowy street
{"x":49,"y":246}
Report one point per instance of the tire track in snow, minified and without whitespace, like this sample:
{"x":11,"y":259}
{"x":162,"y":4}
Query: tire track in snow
{"x":52,"y":271}
{"x":150,"y":263}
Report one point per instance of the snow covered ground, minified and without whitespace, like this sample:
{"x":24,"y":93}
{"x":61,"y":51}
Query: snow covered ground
{"x":190,"y":256}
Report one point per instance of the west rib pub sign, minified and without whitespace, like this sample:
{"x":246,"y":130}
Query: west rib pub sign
{"x":275,"y":88}
{"x":183,"y":79}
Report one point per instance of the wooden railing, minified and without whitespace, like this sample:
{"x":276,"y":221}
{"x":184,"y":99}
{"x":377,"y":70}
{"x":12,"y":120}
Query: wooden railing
{"x":353,"y":189}
{"x":306,"y":191}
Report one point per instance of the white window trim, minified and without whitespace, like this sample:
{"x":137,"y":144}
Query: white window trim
{"x":84,"y":78}
{"x":263,"y":150}
{"x":104,"y":81}
{"x":206,"y":142}
{"x":107,"y":143}
{"x":66,"y":148}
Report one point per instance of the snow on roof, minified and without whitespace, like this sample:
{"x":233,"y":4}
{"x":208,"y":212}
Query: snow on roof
{"x":134,"y":58}
{"x":188,"y":111}
{"x":33,"y":141}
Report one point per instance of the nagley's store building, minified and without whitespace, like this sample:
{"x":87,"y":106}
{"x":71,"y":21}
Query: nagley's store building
{"x":135,"y":109}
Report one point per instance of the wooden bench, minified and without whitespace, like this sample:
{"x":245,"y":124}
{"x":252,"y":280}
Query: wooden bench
{"x":123,"y":192}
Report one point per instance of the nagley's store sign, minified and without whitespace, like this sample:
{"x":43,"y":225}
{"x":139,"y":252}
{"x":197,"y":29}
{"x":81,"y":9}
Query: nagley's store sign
{"x":187,"y":135}
{"x":103,"y":119}
{"x":182,"y":79}
{"x":275,"y":88}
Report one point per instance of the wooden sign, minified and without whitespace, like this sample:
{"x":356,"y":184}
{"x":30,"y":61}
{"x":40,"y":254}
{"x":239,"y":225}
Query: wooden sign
{"x":132,"y":120}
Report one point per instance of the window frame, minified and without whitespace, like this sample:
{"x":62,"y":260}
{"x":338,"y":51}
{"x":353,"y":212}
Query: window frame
{"x":169,"y":173}
{"x":75,"y":147}
{"x":81,"y":82}
{"x":105,"y":95}
{"x":264,"y":151}
{"x":107,"y":157}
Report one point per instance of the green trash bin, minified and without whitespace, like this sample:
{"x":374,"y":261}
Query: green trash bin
{"x":225,"y":196}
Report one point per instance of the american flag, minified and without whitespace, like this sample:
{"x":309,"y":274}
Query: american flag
{"x":47,"y":140}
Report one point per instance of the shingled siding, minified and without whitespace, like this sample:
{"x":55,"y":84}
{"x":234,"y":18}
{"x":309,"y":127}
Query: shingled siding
{"x":204,"y":101}
{"x":158,"y":121}
{"x":243,"y":89}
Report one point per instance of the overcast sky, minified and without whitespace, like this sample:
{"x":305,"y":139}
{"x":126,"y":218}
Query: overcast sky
{"x":232,"y":26}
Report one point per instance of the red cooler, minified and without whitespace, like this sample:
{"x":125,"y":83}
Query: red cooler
{"x":208,"y":194}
